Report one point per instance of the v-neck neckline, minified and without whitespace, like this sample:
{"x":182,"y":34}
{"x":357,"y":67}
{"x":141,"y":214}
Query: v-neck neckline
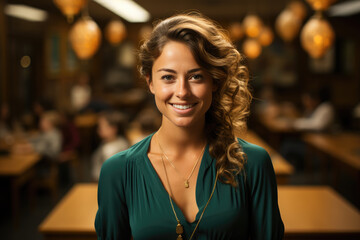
{"x":198,"y":190}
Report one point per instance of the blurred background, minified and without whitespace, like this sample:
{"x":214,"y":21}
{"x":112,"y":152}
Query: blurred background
{"x":71,"y":96}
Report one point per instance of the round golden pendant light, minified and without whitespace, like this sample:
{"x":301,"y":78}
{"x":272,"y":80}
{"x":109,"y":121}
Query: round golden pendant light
{"x":236,"y":31}
{"x":85,"y":37}
{"x":115,"y":32}
{"x":251,"y":48}
{"x":70,"y":7}
{"x":320,"y":5}
{"x":298,"y":8}
{"x":287,"y":25}
{"x":252,"y":25}
{"x":266,"y":36}
{"x":317,"y":36}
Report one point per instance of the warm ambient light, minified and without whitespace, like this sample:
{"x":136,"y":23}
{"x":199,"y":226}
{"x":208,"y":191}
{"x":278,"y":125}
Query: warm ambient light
{"x":127,"y":9}
{"x":70,"y":7}
{"x":85,"y":37}
{"x":115,"y":32}
{"x":287,"y":25}
{"x":317,"y":36}
{"x":25,"y":61}
{"x":345,"y":9}
{"x":25,"y":12}
{"x":251,"y":48}
{"x":252,"y":25}
{"x":236,"y":31}
{"x":320,"y":5}
{"x":298,"y":8}
{"x":266,"y":36}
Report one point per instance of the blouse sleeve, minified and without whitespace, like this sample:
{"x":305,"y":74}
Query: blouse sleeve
{"x":266,"y":222}
{"x":112,"y":218}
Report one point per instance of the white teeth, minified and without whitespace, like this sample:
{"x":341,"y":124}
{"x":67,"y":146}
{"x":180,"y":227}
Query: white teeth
{"x":182,"y":107}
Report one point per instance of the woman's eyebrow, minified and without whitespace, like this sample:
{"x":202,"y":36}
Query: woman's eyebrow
{"x":194,"y":70}
{"x":173,"y":71}
{"x":166,"y":70}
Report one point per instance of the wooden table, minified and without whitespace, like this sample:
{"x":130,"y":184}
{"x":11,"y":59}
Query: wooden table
{"x":18,"y":169}
{"x":344,"y":148}
{"x":283,"y":169}
{"x":307,"y":212}
{"x":73,"y":217}
{"x":317,"y":213}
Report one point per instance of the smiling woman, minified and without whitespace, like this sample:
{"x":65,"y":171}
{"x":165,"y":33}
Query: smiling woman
{"x":192,"y":179}
{"x":183,"y":90}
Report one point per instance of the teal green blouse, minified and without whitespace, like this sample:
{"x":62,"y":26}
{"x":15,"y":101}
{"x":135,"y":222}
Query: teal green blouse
{"x":133,"y":202}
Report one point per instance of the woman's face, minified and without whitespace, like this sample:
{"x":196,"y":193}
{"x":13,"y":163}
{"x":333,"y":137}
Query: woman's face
{"x":182,"y":89}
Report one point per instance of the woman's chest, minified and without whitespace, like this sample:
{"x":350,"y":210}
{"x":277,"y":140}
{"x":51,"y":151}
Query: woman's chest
{"x":152,"y":216}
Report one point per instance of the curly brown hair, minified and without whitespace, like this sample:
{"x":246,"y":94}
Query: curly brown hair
{"x":214,"y":52}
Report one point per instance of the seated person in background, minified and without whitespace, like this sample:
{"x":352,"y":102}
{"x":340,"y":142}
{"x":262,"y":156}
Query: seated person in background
{"x":146,"y":122}
{"x":319,"y":114}
{"x":48,"y":142}
{"x":111,"y":129}
{"x":70,"y":135}
{"x":39,"y":108}
{"x":81,"y":92}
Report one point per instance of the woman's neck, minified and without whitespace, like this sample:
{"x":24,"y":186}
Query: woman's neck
{"x":180,"y":139}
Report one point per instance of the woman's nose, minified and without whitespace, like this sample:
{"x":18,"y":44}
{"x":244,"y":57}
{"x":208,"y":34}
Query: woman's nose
{"x":182,"y":88}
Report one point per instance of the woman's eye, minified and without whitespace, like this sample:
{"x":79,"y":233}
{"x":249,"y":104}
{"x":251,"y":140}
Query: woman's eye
{"x":167,"y":77}
{"x":196,"y":77}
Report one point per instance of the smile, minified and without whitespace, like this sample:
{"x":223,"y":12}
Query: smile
{"x":183,"y":107}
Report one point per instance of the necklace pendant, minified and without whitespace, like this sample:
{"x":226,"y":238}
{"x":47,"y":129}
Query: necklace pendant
{"x":179,"y":238}
{"x":179,"y":230}
{"x":186,"y":183}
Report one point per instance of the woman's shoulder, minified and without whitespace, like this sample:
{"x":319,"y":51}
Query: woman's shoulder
{"x":256,"y":156}
{"x":129,"y":157}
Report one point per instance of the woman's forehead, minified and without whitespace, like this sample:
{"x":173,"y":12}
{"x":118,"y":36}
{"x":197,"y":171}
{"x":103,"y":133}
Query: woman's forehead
{"x":174,"y":55}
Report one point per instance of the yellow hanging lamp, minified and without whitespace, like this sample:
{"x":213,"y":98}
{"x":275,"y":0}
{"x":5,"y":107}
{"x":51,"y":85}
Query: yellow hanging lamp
{"x":251,"y":48}
{"x":115,"y":32}
{"x":70,"y":7}
{"x":320,"y":5}
{"x":85,"y":37}
{"x":317,"y":36}
{"x":252,"y":25}
{"x":266,"y":36}
{"x":287,"y":25}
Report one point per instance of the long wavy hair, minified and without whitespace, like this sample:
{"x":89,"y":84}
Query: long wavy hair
{"x":214,"y":52}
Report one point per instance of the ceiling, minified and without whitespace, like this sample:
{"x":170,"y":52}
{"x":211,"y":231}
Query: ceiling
{"x":219,"y":10}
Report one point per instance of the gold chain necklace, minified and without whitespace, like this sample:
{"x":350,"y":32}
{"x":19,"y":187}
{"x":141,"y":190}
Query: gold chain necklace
{"x":179,"y":227}
{"x":186,"y":180}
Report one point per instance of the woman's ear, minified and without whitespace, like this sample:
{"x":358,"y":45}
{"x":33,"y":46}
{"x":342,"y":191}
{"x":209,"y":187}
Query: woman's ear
{"x":150,"y":83}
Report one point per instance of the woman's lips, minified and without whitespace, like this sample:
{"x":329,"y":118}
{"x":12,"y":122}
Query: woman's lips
{"x":182,"y":106}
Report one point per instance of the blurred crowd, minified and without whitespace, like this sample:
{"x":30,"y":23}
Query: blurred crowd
{"x":89,"y":132}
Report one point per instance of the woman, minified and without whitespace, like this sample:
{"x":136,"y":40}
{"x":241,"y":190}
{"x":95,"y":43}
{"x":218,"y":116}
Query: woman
{"x":192,"y":179}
